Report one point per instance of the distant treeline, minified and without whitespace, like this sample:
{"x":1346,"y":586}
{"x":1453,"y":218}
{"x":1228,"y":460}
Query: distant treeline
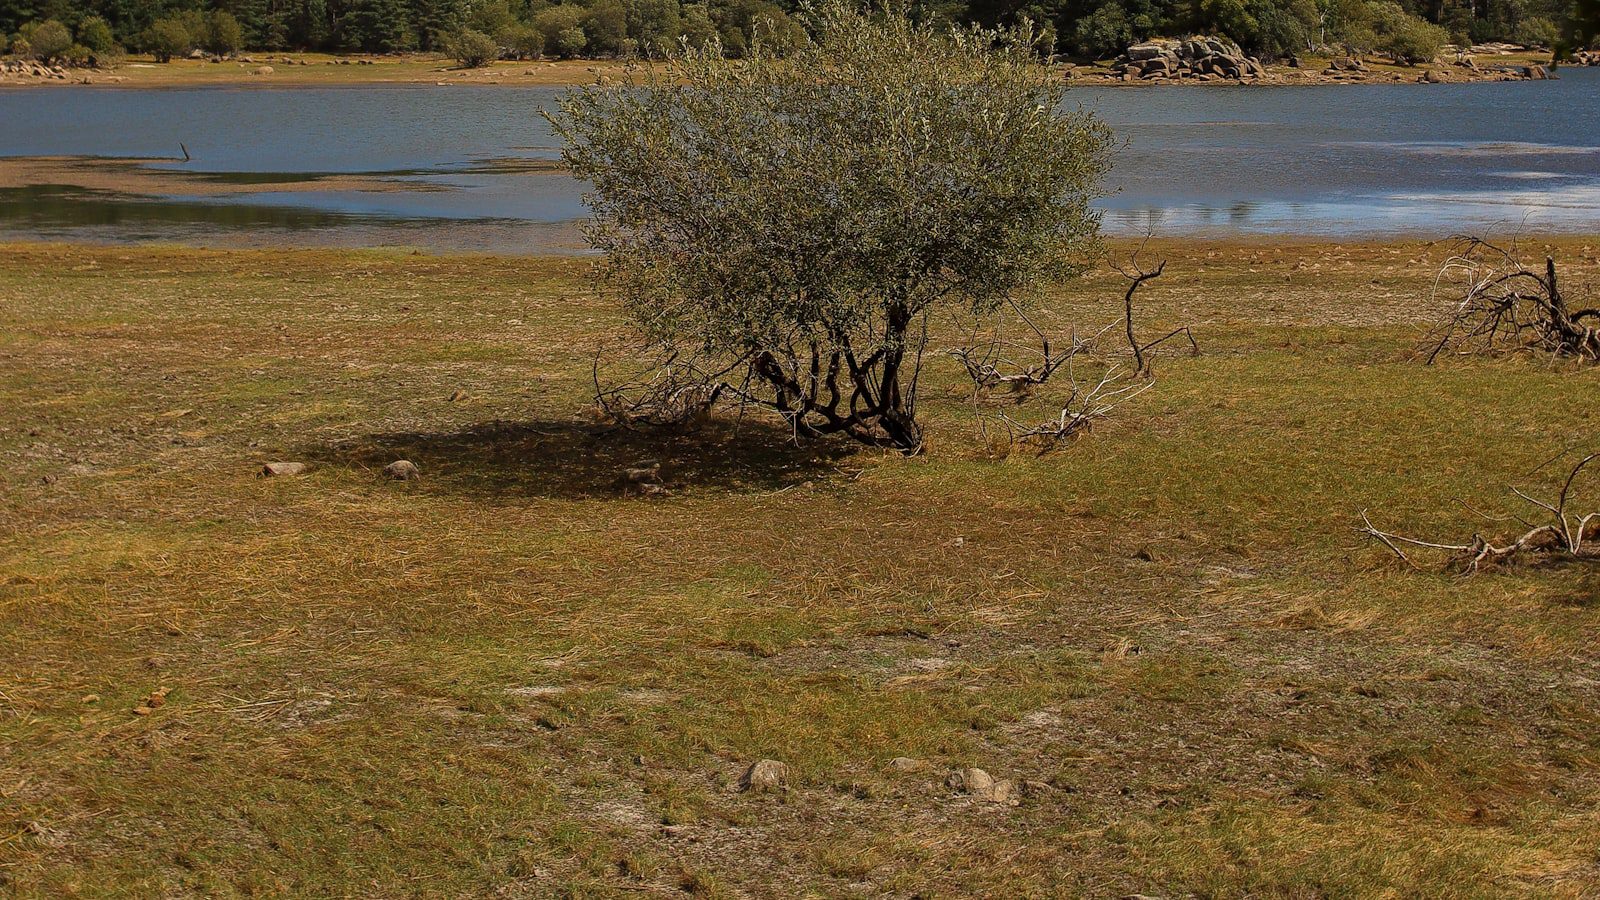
{"x":601,"y":28}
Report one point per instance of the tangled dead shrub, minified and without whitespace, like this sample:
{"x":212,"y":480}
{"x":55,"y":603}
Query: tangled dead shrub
{"x":1564,"y":533}
{"x":1498,"y":305}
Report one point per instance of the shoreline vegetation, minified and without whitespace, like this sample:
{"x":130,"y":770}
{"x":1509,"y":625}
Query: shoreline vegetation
{"x":327,"y":70}
{"x":509,"y":677}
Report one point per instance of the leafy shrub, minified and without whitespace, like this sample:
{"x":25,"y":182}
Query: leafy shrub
{"x":220,"y":33}
{"x":606,"y":24}
{"x":95,"y":34}
{"x":1536,"y":32}
{"x":563,"y":30}
{"x":47,"y":40}
{"x":1405,"y":38}
{"x":473,"y":48}
{"x":1104,"y":32}
{"x":523,"y":41}
{"x":697,"y":27}
{"x":654,"y":26}
{"x":166,"y":38}
{"x":491,"y":18}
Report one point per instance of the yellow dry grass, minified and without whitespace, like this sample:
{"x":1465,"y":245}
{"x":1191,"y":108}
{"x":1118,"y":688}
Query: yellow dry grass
{"x":508,"y":678}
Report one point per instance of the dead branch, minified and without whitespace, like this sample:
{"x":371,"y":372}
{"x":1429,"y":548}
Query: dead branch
{"x":991,"y":369}
{"x":1085,"y":405}
{"x":1137,"y":276}
{"x":1566,"y":534}
{"x":673,"y":393}
{"x":1497,"y":305}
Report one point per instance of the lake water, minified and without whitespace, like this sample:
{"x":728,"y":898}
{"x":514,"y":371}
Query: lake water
{"x":1228,"y":161}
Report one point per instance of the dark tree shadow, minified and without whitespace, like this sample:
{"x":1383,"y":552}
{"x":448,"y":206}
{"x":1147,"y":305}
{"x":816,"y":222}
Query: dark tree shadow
{"x":569,"y":459}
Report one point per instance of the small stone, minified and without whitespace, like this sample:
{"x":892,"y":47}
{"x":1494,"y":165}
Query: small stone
{"x":907,"y":764}
{"x":402,"y":470}
{"x":281,"y":469}
{"x":142,"y":710}
{"x":50,"y":479}
{"x":458,"y":396}
{"x":980,"y":785}
{"x":91,"y":698}
{"x":765,"y":776}
{"x":970,"y":781}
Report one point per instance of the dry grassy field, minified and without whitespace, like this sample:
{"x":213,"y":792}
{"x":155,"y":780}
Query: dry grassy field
{"x":507,"y":678}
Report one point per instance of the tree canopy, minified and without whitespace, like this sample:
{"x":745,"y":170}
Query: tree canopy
{"x":799,"y":219}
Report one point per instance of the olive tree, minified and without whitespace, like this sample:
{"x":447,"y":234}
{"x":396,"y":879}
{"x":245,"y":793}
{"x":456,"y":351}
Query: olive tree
{"x":793,"y":224}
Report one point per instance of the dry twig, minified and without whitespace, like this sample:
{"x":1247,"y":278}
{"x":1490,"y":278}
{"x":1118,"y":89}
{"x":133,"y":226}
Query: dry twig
{"x":1566,"y":534}
{"x":1498,"y":305}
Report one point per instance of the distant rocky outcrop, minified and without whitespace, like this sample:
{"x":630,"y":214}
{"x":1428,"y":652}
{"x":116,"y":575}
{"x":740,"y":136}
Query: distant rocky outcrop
{"x":1203,"y":58}
{"x":28,"y":68}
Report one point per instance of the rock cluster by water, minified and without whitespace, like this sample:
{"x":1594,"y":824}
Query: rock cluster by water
{"x":1200,"y":57}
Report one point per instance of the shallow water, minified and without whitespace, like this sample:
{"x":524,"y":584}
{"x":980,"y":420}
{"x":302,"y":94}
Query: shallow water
{"x":1366,"y":160}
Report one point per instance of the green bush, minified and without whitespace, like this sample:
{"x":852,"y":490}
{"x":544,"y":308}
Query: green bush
{"x":220,"y":33}
{"x":166,"y":38}
{"x":1405,"y":38}
{"x":491,"y":18}
{"x":524,"y":41}
{"x":696,"y":26}
{"x":563,"y":30}
{"x":1103,"y":33}
{"x":76,"y":55}
{"x":47,"y":40}
{"x":654,"y":26}
{"x":1536,"y":32}
{"x":606,"y":24}
{"x":473,"y":48}
{"x":95,"y":33}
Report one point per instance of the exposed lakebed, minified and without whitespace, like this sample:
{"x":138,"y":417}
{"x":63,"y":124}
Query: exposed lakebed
{"x":473,"y":168}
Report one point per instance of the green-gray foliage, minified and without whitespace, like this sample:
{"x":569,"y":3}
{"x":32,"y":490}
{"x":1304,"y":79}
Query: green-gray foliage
{"x":1103,"y":33}
{"x":799,"y":219}
{"x":1536,"y":32}
{"x":563,"y":30}
{"x":166,"y":38}
{"x":220,"y":33}
{"x":606,"y":25}
{"x":473,"y":48}
{"x":1404,"y":37}
{"x":523,"y":41}
{"x":95,"y":34}
{"x":48,"y":40}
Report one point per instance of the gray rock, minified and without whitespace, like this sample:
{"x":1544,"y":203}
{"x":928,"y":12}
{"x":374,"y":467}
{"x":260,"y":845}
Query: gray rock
{"x":980,"y":785}
{"x":402,"y":470}
{"x":281,"y":469}
{"x":765,"y":776}
{"x":907,"y":764}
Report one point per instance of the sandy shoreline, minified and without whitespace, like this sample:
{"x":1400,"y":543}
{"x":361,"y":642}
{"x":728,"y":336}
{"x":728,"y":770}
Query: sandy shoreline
{"x":322,"y":70}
